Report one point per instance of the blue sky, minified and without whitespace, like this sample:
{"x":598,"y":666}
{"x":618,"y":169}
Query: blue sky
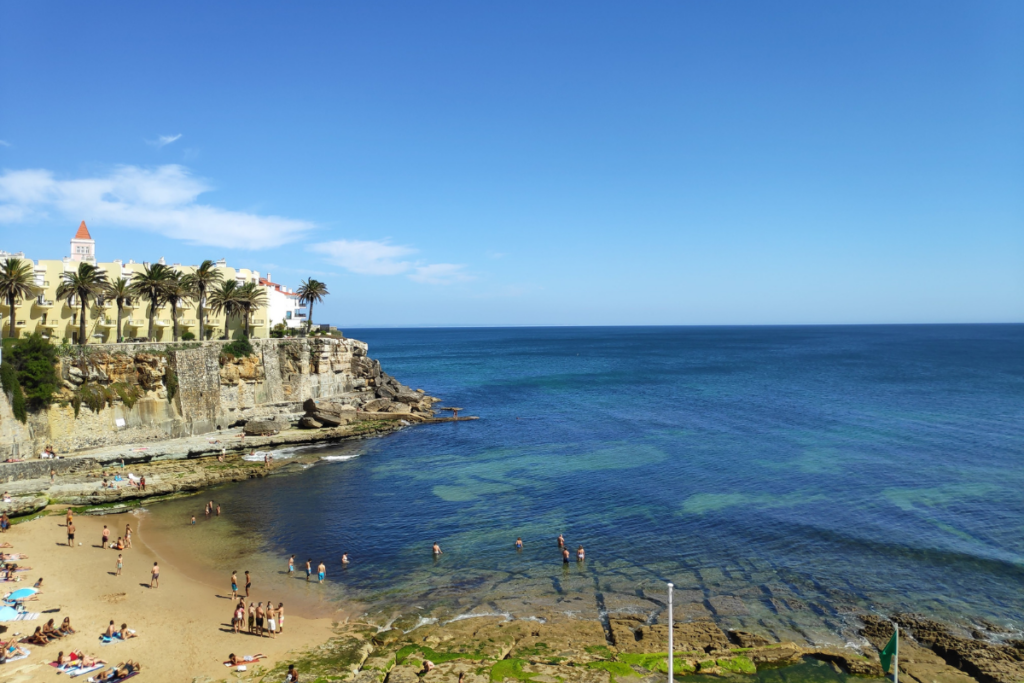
{"x":536,"y":163}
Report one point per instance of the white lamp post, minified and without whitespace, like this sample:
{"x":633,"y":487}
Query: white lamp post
{"x":671,"y":627}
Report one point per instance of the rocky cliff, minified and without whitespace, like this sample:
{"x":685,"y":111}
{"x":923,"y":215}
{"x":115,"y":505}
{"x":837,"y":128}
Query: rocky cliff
{"x":134,"y":393}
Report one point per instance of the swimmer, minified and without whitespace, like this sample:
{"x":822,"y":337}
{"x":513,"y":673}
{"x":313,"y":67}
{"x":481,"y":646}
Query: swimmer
{"x":344,"y":559}
{"x":437,"y":549}
{"x":580,"y":554}
{"x":519,"y":544}
{"x":561,"y":541}
{"x":565,"y":556}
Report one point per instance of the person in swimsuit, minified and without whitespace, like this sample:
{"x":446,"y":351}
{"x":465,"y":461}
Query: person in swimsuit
{"x":519,"y":544}
{"x":120,"y":543}
{"x":259,"y":620}
{"x":437,"y":549}
{"x":280,"y":617}
{"x":125,"y":633}
{"x":71,"y":535}
{"x":239,"y":617}
{"x":309,"y":569}
{"x":291,"y":564}
{"x":293,"y":676}
{"x":561,"y":541}
{"x":248,"y":583}
{"x":565,"y":556}
{"x":218,"y":510}
{"x":271,"y":620}
{"x":252,"y":618}
{"x":120,"y":564}
{"x":106,"y":537}
{"x":580,"y":554}
{"x":155,"y":571}
{"x":321,"y":572}
{"x":193,"y":520}
{"x":65,"y":626}
{"x":109,"y":633}
{"x":127,"y":535}
{"x":344,"y":559}
{"x":234,"y":584}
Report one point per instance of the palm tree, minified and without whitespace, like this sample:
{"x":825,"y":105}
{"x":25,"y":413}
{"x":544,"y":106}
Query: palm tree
{"x":120,"y":291}
{"x":205,"y":277}
{"x":227,"y":299}
{"x":253,"y":299}
{"x":16,"y":282}
{"x":178,"y":290}
{"x":151,"y":284}
{"x":309,"y":292}
{"x":84,"y":284}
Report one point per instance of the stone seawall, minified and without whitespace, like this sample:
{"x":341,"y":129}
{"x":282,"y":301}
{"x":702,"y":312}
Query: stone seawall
{"x":147,"y":392}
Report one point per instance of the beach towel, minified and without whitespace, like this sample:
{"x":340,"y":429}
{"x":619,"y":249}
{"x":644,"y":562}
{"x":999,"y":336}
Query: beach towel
{"x":17,"y":657}
{"x":79,"y":671}
{"x":118,"y":680}
{"x":24,"y":616}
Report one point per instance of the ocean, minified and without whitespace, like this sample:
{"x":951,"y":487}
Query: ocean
{"x":785,"y":479}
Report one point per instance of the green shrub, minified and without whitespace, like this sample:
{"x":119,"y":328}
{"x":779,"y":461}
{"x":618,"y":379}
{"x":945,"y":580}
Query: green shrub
{"x":9,"y":379}
{"x":95,"y":396}
{"x":128,"y":393}
{"x":171,"y":379}
{"x":187,"y":336}
{"x":240,"y":348}
{"x":34,"y":361}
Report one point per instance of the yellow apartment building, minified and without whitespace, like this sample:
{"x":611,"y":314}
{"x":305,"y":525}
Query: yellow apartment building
{"x":58,"y":320}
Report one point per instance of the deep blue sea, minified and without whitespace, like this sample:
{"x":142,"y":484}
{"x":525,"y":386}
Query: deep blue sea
{"x":784,"y":478}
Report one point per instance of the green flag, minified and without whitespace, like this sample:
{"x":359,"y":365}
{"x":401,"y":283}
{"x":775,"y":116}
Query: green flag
{"x":889,"y":651}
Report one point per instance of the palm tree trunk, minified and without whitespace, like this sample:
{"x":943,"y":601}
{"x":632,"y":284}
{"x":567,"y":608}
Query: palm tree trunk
{"x":227,"y":320}
{"x":14,"y":319}
{"x":152,"y":310}
{"x":309,"y":328}
{"x":247,"y":323}
{"x":119,"y":309}
{"x":174,"y":321}
{"x":202,"y":301}
{"x":81,"y":324}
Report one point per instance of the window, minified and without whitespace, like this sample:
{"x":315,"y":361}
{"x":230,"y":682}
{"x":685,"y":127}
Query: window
{"x":288,"y":315}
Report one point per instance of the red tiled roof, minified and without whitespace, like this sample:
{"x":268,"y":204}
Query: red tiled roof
{"x":83,"y":232}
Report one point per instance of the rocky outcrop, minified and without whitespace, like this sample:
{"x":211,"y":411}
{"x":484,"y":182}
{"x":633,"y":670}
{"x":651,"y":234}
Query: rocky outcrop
{"x":928,"y":646}
{"x":264,"y":427}
{"x":136,"y":393}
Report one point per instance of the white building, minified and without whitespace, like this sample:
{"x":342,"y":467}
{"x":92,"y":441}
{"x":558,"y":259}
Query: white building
{"x":283,"y":305}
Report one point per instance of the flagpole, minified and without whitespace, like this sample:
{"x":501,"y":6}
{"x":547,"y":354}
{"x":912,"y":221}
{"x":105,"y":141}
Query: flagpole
{"x":671,"y":627}
{"x":896,"y":668}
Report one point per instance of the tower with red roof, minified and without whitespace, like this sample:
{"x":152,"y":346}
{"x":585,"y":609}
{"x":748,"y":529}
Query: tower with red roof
{"x":83,"y":246}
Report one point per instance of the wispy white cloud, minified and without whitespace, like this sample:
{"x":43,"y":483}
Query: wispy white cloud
{"x":164,"y":140}
{"x":163,"y":200}
{"x":440,"y":274}
{"x":368,"y":257}
{"x":4,"y":143}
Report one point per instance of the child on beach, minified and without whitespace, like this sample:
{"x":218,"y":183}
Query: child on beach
{"x":119,"y":565}
{"x":155,"y":581}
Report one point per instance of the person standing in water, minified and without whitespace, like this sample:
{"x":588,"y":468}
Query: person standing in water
{"x":344,"y":559}
{"x":291,"y":564}
{"x":437,"y":549}
{"x":565,"y":555}
{"x":561,"y":541}
{"x":580,"y":554}
{"x":519,"y":543}
{"x":321,"y":572}
{"x":309,"y":568}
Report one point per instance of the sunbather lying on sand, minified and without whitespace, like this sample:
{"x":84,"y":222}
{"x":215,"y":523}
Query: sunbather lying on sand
{"x":235,"y":661}
{"x":77,"y":659}
{"x":121,"y":671}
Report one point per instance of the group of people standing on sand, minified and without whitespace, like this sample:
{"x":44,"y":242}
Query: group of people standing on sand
{"x":261,"y":618}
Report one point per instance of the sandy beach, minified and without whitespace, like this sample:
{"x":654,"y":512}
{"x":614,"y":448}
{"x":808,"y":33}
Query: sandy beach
{"x":184,"y":626}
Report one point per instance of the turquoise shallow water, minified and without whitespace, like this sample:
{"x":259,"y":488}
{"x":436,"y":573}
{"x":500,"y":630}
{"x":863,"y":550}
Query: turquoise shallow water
{"x":783,"y":478}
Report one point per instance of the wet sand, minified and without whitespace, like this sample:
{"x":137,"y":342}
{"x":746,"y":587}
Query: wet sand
{"x":184,"y":626}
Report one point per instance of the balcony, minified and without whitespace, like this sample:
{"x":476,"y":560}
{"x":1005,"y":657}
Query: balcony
{"x":107,"y":323}
{"x":162,"y":323}
{"x":50,"y":324}
{"x":259,"y":322}
{"x":20,"y":324}
{"x":43,"y":303}
{"x":212,"y":324}
{"x":130,"y":322}
{"x":188,"y":322}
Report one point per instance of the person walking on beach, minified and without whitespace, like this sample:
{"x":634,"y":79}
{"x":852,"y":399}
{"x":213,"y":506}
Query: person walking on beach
{"x":580,"y":554}
{"x":248,"y":583}
{"x":561,"y":541}
{"x":71,"y":535}
{"x":519,"y":543}
{"x":309,"y":568}
{"x":321,"y":572}
{"x":234,"y":584}
{"x":120,"y":563}
{"x":106,"y":537}
{"x":155,"y":571}
{"x":437,"y":549}
{"x":291,"y":564}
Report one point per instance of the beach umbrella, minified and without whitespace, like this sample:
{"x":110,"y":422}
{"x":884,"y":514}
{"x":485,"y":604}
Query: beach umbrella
{"x":22,"y":594}
{"x":8,"y":613}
